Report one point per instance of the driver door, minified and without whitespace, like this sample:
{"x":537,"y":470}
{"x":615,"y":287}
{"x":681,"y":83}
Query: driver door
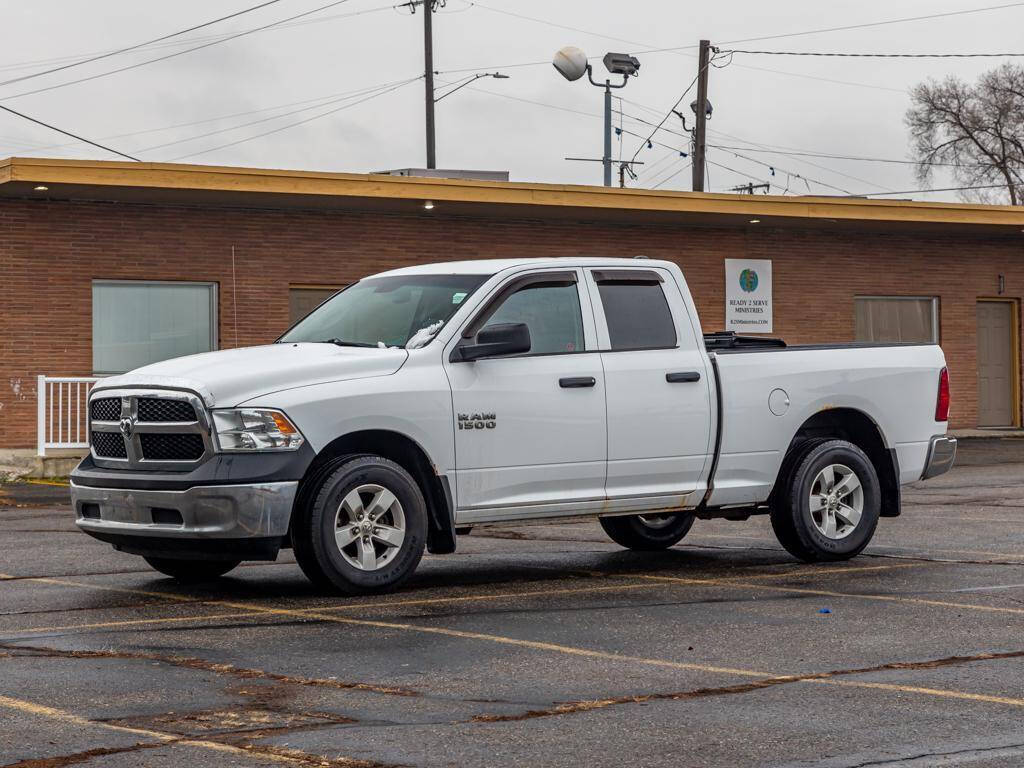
{"x":530,"y":429}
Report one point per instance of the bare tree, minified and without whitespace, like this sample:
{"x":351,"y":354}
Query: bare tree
{"x":975,"y":130}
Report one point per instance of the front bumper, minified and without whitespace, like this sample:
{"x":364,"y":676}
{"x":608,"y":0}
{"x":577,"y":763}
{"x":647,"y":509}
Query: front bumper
{"x":941,"y":455}
{"x":249,"y":511}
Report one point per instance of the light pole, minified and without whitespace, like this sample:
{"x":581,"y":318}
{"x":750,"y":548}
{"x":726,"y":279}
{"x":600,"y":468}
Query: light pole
{"x":572,"y":64}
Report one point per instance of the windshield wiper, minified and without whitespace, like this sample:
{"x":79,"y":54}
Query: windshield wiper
{"x":343,"y":343}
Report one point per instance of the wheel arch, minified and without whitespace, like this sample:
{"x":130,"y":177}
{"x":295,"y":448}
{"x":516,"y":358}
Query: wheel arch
{"x":408,"y":454}
{"x":859,"y":428}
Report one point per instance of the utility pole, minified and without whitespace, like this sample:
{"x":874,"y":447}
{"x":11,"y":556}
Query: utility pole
{"x":428,"y":79}
{"x":749,"y":188}
{"x":607,"y":158}
{"x":700,"y":131}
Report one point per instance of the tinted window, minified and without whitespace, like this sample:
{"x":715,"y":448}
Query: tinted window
{"x":552,"y":313}
{"x":638,"y":315}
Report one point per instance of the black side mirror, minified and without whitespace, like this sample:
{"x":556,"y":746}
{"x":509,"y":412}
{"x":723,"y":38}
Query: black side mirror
{"x":495,"y":341}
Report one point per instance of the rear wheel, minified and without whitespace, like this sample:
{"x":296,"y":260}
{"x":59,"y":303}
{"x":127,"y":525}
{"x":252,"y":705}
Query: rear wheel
{"x":192,"y":571}
{"x":829,"y":503}
{"x":647,"y":533}
{"x":363,"y":530}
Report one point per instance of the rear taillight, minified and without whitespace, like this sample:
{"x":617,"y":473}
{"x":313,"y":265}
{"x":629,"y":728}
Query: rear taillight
{"x":942,"y":401}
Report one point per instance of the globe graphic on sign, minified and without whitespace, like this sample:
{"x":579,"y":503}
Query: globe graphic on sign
{"x":748,"y":280}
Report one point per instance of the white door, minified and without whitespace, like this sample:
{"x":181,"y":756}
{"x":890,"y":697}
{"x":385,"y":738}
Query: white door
{"x":658,"y":390}
{"x":530,"y":428}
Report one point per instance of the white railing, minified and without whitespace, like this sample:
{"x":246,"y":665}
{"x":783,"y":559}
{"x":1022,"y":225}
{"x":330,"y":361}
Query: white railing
{"x":63,"y":420}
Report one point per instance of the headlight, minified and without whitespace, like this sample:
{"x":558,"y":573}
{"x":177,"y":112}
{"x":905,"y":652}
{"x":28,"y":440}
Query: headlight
{"x":255,"y":429}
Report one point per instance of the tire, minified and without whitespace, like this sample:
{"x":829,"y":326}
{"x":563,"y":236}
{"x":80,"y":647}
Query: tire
{"x":814,"y":523}
{"x":192,"y":571}
{"x":335,"y":540}
{"x":647,"y":533}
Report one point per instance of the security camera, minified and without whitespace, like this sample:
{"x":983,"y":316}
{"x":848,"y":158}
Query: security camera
{"x":621,"y":64}
{"x":570,"y":62}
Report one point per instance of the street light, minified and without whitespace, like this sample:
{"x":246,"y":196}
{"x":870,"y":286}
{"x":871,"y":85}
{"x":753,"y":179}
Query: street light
{"x":572,"y":64}
{"x":473,"y":79}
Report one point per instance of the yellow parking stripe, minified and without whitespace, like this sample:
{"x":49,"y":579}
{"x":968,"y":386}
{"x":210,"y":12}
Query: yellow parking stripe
{"x":618,"y":657}
{"x":52,"y":713}
{"x":853,"y":595}
{"x":392,"y":603}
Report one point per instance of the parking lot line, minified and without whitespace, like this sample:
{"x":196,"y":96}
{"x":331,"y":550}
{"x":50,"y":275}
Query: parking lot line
{"x":52,"y":713}
{"x":829,"y":593}
{"x":320,"y":615}
{"x":393,"y":603}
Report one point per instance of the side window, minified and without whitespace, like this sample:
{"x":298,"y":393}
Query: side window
{"x":552,"y":313}
{"x":638,"y":314}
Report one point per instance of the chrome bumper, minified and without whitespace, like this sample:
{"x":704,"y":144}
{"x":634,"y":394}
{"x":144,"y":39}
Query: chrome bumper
{"x":209,"y":512}
{"x":941,"y":455}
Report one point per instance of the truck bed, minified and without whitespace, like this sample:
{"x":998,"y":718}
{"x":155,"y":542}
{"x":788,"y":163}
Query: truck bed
{"x":884,"y":381}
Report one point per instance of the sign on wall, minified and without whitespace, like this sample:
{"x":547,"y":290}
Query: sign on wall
{"x":748,"y":295}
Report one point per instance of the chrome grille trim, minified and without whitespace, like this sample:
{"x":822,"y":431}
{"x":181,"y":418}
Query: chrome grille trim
{"x":129,"y":400}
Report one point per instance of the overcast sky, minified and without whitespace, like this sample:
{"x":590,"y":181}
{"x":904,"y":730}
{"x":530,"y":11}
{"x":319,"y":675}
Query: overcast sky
{"x":242,"y":88}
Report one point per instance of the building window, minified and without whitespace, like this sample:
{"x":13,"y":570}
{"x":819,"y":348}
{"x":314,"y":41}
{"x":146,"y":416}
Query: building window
{"x":135,"y":323}
{"x":897,"y":318}
{"x":303,"y":299}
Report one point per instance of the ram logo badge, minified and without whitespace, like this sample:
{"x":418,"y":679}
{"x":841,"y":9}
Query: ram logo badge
{"x":477,"y":421}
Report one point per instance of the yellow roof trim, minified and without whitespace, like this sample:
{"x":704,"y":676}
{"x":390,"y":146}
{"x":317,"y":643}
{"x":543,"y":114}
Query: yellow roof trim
{"x":256,"y":181}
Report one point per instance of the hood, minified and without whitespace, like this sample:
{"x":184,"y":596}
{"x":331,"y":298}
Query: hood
{"x":232,"y":376}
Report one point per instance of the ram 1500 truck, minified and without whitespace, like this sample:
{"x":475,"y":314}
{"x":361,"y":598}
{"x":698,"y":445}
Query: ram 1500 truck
{"x":424,"y":400}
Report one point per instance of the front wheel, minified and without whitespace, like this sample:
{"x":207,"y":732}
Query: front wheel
{"x":363,"y":529}
{"x":828,"y":505}
{"x":647,"y":533}
{"x":192,"y":571}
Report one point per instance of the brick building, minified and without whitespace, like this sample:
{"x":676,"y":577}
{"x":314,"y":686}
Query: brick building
{"x":107,"y":265}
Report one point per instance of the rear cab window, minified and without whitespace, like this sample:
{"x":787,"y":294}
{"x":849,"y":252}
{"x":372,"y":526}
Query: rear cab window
{"x":636,"y":310}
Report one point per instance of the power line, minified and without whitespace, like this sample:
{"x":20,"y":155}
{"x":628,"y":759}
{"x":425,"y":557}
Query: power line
{"x":165,"y":57}
{"x":673,"y":109}
{"x":297,"y":122}
{"x":320,"y":103}
{"x":792,"y":174}
{"x":850,"y":157}
{"x":140,"y":45}
{"x":667,"y":179}
{"x":843,"y":55}
{"x":67,"y":133}
{"x":79,"y":58}
{"x":941,"y":189}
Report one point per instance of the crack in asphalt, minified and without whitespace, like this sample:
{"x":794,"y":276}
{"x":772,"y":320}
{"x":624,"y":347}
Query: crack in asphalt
{"x":82,"y":757}
{"x":574,"y":707}
{"x":191,"y":662}
{"x":980,"y":752}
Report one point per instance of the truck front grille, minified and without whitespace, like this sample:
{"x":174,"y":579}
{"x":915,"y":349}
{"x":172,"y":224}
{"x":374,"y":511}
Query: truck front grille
{"x":109,"y":445}
{"x":172,"y":447}
{"x":149,"y":429}
{"x":160,"y":409}
{"x":105,"y":409}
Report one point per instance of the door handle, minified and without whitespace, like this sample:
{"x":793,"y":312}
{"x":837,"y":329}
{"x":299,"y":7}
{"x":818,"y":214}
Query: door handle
{"x":680,"y":376}
{"x":576,"y":382}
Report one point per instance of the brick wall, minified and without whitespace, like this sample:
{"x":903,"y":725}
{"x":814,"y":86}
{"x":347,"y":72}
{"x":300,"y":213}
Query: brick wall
{"x":50,"y":251}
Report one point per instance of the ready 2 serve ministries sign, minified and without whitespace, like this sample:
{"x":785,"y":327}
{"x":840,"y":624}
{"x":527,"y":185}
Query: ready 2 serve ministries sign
{"x":748,"y":295}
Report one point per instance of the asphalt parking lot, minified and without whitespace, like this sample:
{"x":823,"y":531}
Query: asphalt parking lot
{"x":535,"y":646}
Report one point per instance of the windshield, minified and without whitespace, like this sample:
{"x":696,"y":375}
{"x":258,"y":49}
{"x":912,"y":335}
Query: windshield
{"x":400,"y":311}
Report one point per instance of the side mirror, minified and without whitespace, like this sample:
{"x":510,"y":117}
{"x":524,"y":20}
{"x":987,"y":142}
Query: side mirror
{"x":495,"y":341}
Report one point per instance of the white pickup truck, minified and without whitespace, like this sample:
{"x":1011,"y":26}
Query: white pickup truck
{"x":421,"y":401}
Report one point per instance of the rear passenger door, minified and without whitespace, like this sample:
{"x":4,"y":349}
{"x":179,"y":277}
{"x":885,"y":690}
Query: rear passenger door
{"x":657,"y":389}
